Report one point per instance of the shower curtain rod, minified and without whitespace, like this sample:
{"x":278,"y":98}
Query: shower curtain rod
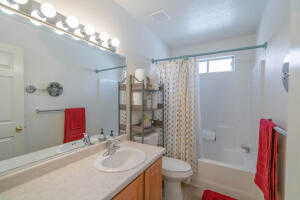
{"x":265,"y":45}
{"x":108,"y":69}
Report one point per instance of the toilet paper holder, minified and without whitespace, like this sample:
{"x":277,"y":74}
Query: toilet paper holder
{"x":245,"y":148}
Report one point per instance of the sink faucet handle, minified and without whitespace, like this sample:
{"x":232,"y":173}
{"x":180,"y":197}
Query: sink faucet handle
{"x":117,"y":141}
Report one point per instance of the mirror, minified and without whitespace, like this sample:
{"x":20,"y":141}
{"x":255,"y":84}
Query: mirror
{"x":42,"y":74}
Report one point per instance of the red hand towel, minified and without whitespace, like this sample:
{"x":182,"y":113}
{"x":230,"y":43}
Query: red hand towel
{"x":74,"y":124}
{"x":267,"y":160}
{"x":211,"y":195}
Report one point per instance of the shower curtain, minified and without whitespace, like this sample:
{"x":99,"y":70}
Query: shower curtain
{"x":181,"y":109}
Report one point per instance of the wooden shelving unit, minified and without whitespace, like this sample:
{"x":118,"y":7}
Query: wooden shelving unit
{"x":135,"y":85}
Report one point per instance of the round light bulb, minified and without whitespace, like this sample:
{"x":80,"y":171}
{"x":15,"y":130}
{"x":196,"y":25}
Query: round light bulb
{"x":115,"y":42}
{"x":35,"y":14}
{"x":60,"y":25}
{"x":104,"y":37}
{"x":89,"y":29}
{"x":75,"y":38}
{"x":72,"y":22}
{"x":14,"y":6}
{"x":59,"y":32}
{"x":78,"y":32}
{"x":105,"y":44}
{"x":48,"y":10}
{"x":287,"y":59}
{"x":21,"y":1}
{"x":93,"y":39}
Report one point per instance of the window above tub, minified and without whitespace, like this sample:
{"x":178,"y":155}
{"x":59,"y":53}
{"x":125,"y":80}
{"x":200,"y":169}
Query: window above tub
{"x":220,"y":64}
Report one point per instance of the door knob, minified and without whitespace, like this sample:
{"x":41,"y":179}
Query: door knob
{"x":19,"y":128}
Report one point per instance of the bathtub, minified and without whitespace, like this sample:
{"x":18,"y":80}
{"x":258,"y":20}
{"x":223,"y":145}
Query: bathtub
{"x":232,"y":158}
{"x":231,"y":179}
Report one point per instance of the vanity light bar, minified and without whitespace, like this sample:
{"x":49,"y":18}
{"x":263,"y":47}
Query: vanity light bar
{"x":83,"y":36}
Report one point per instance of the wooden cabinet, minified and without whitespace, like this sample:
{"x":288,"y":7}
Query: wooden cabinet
{"x":148,"y":186}
{"x":153,"y":181}
{"x":134,"y":191}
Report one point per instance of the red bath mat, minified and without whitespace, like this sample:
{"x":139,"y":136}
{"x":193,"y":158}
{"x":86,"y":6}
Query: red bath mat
{"x":211,"y":195}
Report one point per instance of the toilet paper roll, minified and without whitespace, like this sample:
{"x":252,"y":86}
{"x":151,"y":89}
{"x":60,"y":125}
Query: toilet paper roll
{"x":209,"y":135}
{"x":139,"y":74}
{"x":137,"y":98}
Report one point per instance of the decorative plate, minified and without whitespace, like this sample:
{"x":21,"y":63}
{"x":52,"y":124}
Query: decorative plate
{"x":55,"y":89}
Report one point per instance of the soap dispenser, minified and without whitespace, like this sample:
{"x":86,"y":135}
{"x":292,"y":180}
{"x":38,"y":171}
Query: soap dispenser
{"x":111,"y":135}
{"x":102,"y":136}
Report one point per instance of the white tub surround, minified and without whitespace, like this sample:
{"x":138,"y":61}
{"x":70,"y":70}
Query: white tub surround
{"x":74,"y":177}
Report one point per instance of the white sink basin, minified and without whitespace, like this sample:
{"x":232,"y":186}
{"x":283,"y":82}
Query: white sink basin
{"x":124,"y":159}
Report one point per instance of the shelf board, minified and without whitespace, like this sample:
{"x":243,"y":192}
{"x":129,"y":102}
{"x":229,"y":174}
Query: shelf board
{"x":123,"y":127}
{"x":140,"y":107}
{"x":158,"y":124}
{"x":138,"y":129}
{"x":138,"y":87}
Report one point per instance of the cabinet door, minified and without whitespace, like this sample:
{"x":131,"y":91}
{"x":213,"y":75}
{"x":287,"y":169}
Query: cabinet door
{"x":134,"y":191}
{"x":153,"y":181}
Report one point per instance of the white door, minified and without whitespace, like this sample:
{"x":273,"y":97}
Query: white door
{"x":11,"y":101}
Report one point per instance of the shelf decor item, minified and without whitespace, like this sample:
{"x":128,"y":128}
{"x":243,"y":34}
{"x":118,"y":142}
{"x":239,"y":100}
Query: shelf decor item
{"x":55,"y":89}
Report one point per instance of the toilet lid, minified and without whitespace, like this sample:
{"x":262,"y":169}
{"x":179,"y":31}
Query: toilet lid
{"x":172,"y":164}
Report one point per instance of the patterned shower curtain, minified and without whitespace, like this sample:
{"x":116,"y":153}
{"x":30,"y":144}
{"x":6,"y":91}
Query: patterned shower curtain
{"x":181,"y":109}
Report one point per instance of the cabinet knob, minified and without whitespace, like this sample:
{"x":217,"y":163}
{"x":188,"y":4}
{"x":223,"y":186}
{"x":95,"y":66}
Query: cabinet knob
{"x":19,"y":128}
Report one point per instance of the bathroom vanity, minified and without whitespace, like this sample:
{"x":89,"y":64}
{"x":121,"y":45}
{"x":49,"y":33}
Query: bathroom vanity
{"x":74,"y":176}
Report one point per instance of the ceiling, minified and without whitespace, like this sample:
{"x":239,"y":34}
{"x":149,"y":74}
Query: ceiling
{"x":197,"y":21}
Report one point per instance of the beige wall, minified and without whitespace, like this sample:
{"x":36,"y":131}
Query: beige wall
{"x":269,"y":98}
{"x":293,"y":162}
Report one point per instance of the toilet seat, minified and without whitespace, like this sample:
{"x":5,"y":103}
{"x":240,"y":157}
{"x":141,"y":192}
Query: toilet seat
{"x":176,"y":169}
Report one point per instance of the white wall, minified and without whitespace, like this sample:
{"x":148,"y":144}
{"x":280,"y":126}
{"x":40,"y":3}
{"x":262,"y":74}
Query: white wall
{"x":274,"y":29}
{"x":138,"y":43}
{"x":270,"y":99}
{"x":49,"y":57}
{"x":225,"y":104}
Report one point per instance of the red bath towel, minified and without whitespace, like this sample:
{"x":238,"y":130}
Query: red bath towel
{"x":211,"y":195}
{"x":74,"y":124}
{"x":266,"y":177}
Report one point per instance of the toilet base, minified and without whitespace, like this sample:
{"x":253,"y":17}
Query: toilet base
{"x":173,"y":190}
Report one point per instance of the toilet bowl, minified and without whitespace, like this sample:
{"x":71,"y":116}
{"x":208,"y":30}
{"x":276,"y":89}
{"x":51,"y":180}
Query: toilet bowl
{"x":175,"y":171}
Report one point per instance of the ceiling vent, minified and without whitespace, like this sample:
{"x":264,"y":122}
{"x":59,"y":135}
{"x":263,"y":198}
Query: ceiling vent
{"x":160,"y":16}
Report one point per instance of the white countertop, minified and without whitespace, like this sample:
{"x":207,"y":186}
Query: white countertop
{"x":78,"y":180}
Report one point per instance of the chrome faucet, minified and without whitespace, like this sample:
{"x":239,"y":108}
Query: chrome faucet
{"x":112,"y":145}
{"x":86,"y":139}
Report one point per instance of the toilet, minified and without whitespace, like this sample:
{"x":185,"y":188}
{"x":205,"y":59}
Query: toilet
{"x":175,"y":172}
